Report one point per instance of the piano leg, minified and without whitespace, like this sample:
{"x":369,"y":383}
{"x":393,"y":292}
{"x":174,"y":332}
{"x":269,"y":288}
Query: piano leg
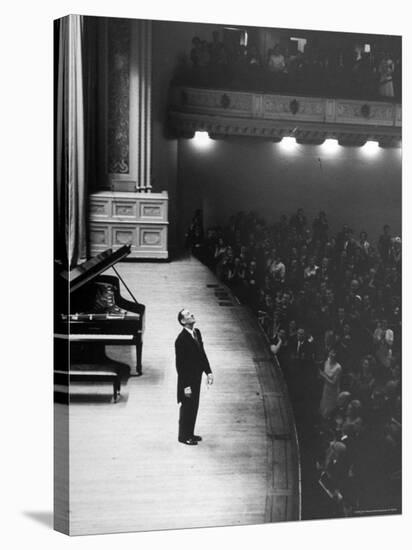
{"x":139,"y":359}
{"x":116,"y":389}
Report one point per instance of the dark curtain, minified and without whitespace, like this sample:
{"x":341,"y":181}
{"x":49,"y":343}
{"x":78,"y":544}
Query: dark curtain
{"x":72,"y":155}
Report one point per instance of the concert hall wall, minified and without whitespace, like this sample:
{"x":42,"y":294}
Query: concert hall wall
{"x":172,"y":42}
{"x":352,"y":186}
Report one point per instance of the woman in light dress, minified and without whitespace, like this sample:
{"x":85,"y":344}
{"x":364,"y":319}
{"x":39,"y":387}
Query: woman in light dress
{"x":386,"y":69}
{"x":331,"y":375}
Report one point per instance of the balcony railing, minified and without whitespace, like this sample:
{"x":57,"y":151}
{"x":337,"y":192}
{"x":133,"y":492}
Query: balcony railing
{"x":273,"y":116}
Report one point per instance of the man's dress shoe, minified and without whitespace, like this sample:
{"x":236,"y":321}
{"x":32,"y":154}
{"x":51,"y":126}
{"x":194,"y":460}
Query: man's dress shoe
{"x":197,"y":438}
{"x":189,"y":441}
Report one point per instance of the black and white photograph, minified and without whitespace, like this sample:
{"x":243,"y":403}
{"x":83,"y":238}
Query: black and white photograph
{"x":228,"y":256}
{"x":220,"y":290}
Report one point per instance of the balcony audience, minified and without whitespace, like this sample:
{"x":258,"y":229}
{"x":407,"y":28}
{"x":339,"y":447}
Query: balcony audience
{"x":327,"y":70}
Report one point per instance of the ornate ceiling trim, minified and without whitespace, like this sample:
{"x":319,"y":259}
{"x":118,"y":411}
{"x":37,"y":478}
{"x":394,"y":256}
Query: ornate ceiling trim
{"x":310,"y":120}
{"x":185,"y":125}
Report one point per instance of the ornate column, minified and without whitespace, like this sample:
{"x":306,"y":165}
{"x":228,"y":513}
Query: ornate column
{"x":122,"y":211}
{"x":125,"y":94}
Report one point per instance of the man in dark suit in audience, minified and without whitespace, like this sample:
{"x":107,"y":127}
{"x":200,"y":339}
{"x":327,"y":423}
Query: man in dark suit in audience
{"x":303,"y":379}
{"x":191,"y":363}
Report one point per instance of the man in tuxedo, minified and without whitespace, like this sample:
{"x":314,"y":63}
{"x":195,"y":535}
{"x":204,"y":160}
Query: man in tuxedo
{"x":191,"y":363}
{"x":303,"y":374}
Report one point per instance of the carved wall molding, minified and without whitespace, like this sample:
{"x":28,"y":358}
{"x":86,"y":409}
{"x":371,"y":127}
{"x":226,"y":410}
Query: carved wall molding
{"x":286,"y":107}
{"x":185,"y":125}
{"x":210,"y":100}
{"x":125,"y":103}
{"x":365,"y":112}
{"x":118,"y":100}
{"x":311,"y":120}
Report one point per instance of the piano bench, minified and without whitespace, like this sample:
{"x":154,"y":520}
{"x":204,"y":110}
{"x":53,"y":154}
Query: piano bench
{"x":61,"y":378}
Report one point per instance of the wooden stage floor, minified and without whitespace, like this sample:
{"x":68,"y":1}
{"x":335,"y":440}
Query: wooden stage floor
{"x":127,"y":470}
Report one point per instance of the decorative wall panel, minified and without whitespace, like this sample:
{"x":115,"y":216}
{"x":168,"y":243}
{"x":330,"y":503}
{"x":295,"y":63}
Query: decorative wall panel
{"x":358,"y":112}
{"x":150,"y":237}
{"x":138,"y":219}
{"x":286,"y":107}
{"x":124,"y":209}
{"x":99,"y":208}
{"x":99,"y":238}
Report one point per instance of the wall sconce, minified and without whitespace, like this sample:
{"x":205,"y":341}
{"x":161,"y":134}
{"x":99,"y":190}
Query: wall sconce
{"x":370,"y":148}
{"x":202,"y":139}
{"x":330,"y":145}
{"x":288,"y":144}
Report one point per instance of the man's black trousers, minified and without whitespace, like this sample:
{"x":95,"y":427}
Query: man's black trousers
{"x":188,"y":413}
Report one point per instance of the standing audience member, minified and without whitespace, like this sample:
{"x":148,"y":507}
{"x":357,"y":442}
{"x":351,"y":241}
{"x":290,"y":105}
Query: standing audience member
{"x":330,"y":375}
{"x":386,"y":69}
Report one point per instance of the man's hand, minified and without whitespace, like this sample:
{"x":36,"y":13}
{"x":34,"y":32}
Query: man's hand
{"x":210,"y":379}
{"x":188,"y":391}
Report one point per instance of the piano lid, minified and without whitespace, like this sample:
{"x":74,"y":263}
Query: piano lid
{"x":87,"y":271}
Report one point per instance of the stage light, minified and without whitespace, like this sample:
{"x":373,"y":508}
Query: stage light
{"x":370,"y":148}
{"x":330,"y":145}
{"x":201,"y":137}
{"x":202,"y":140}
{"x":288,"y":144}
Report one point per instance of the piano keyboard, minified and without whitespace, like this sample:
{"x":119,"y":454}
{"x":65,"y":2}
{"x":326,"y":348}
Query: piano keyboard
{"x":99,"y":316}
{"x":93,"y":337}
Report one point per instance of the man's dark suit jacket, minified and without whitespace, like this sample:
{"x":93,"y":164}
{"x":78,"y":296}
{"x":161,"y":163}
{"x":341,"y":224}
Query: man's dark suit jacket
{"x":191,"y":362}
{"x":306,"y":351}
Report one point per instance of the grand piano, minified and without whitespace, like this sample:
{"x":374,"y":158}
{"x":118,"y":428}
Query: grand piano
{"x":91,"y":314}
